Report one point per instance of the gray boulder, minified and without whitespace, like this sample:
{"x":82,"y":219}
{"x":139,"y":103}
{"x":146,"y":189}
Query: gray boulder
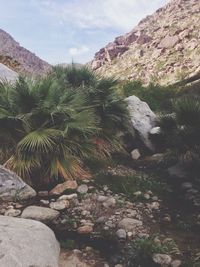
{"x":162,"y":259}
{"x":45,"y":215}
{"x":82,"y":189}
{"x":135,"y":154}
{"x":143,"y":119}
{"x":26,"y":243}
{"x":121,"y":233}
{"x":129,"y":224}
{"x":7,"y":74}
{"x":12,"y":187}
{"x":73,"y":259}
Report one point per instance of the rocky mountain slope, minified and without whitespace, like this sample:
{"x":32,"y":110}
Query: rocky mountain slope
{"x":18,"y":58}
{"x":163,"y":47}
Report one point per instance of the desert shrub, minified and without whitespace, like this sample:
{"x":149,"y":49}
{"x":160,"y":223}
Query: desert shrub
{"x":141,"y":251}
{"x":69,"y":244}
{"x":131,"y":87}
{"x":158,"y":97}
{"x":128,"y":185}
{"x":181,"y":130}
{"x":191,"y":263}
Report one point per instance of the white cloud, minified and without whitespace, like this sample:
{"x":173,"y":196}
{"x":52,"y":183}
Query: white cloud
{"x":57,"y":29}
{"x":101,"y":14}
{"x":76,"y":51}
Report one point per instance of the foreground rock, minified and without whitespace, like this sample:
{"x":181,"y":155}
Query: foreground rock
{"x":143,"y":119}
{"x":60,"y":204}
{"x":61,"y":188}
{"x":129,"y":224}
{"x":87,"y":257}
{"x":12,"y":187}
{"x":72,"y":260}
{"x":41,"y":214}
{"x":27,"y":243}
{"x":86,"y":229}
{"x":135,"y":154}
{"x":162,"y":259}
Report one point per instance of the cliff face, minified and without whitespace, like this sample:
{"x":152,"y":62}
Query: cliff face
{"x":163,"y":47}
{"x":18,"y":58}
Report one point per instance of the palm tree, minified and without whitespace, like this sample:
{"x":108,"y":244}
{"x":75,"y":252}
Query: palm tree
{"x":46,"y":130}
{"x":102,"y":95}
{"x":74,"y":76}
{"x":51,"y":125}
{"x":111,"y":110}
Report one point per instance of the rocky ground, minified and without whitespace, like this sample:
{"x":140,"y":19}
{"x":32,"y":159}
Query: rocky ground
{"x":93,"y":224}
{"x":88,"y":211}
{"x":142,"y":213}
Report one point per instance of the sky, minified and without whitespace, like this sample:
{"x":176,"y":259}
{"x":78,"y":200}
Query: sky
{"x":62,"y":31}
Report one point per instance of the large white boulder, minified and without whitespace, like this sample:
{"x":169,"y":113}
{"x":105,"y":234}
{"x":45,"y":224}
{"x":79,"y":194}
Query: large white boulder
{"x":7,"y":74}
{"x":143,"y":119}
{"x":26,"y":243}
{"x":12,"y":187}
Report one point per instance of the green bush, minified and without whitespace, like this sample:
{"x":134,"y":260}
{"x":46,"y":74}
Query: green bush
{"x":50,"y":126}
{"x":141,"y":251}
{"x":158,"y":97}
{"x":128,"y":185}
{"x":74,"y":76}
{"x":181,"y":131}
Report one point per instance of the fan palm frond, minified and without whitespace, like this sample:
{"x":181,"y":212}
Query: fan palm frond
{"x":42,"y":140}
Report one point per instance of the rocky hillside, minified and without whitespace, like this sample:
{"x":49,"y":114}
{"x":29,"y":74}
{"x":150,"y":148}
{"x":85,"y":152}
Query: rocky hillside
{"x":18,"y":58}
{"x":163,"y":47}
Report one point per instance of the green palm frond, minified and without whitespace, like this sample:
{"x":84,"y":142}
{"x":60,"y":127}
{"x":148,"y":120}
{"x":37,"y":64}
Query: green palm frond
{"x":42,"y":140}
{"x":85,"y":122}
{"x":23,"y":166}
{"x":74,"y":76}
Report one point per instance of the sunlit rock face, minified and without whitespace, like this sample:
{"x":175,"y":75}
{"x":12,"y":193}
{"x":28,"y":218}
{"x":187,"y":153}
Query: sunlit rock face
{"x":163,"y":47}
{"x":143,"y":119}
{"x":12,"y":187}
{"x":27,"y":243}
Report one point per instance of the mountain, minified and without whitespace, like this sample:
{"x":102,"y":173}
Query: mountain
{"x":163,"y":47}
{"x":20,"y":59}
{"x":7,"y":74}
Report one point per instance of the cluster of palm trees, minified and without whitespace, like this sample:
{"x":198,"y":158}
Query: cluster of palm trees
{"x":49,"y":126}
